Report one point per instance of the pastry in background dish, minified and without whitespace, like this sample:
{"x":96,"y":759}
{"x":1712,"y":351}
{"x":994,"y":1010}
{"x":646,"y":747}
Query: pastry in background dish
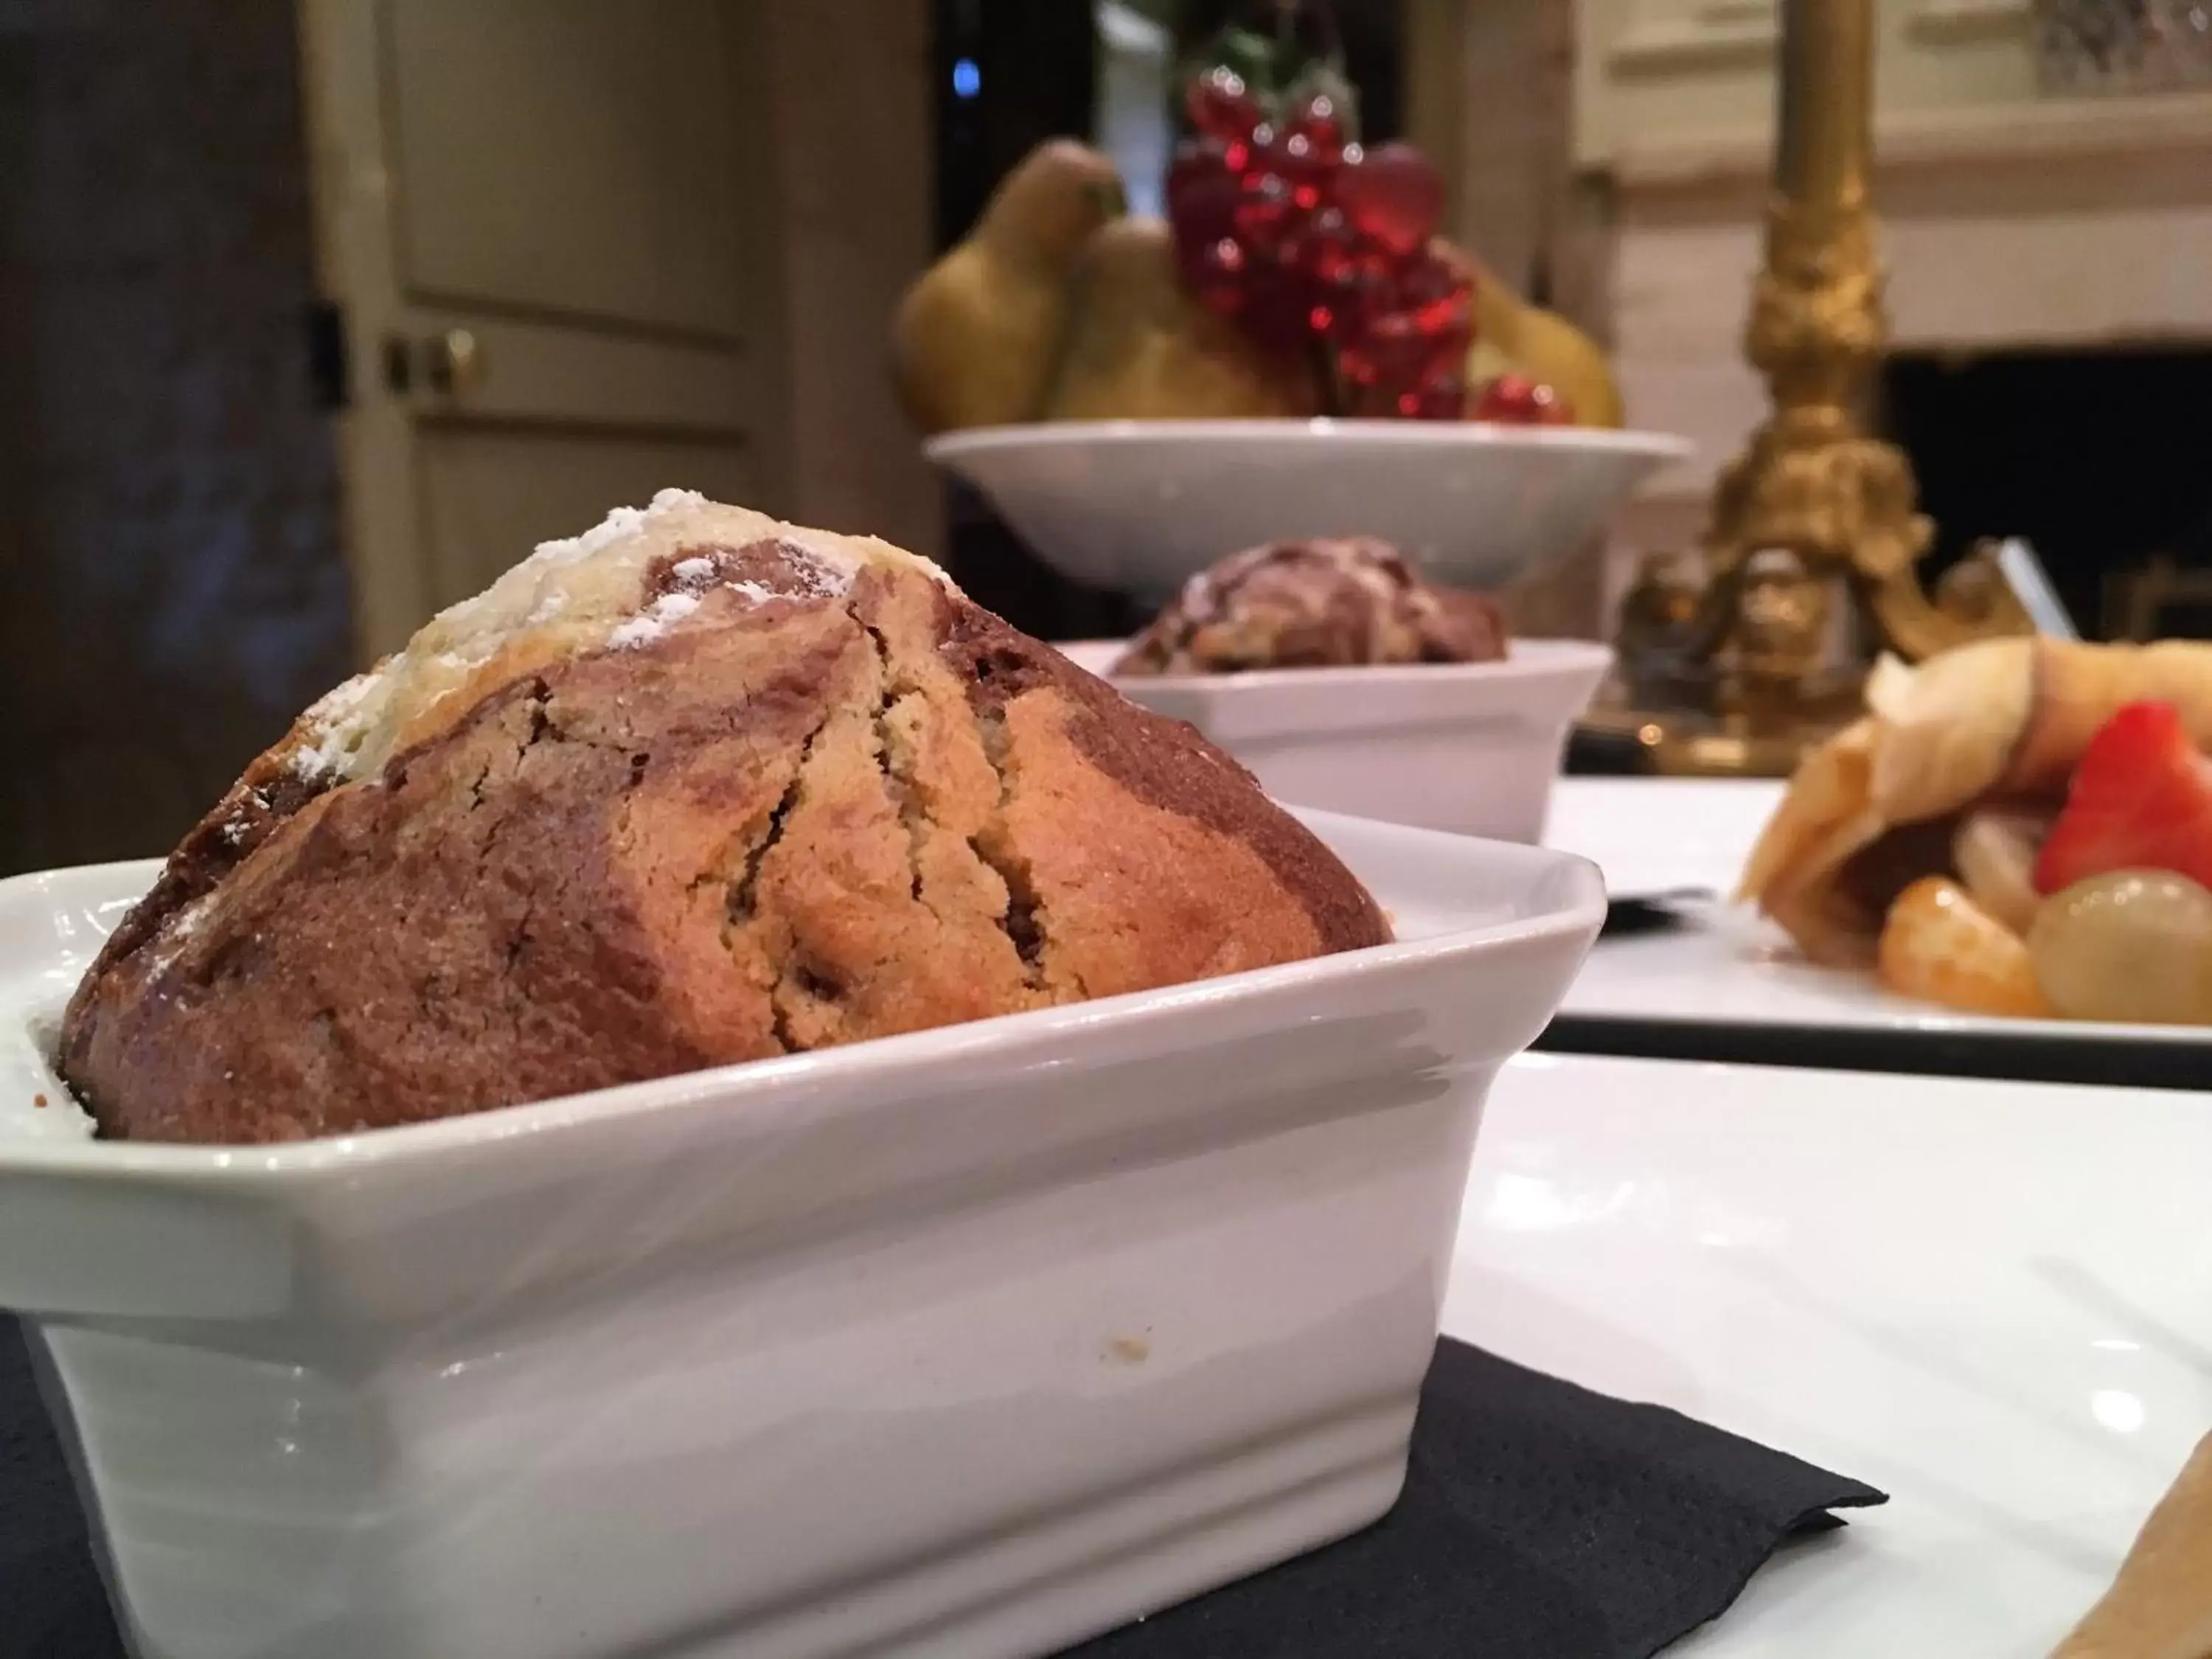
{"x":695,"y":787}
{"x":1336,"y":603}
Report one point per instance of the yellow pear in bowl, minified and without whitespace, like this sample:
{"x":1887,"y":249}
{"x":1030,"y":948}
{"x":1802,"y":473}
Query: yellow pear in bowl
{"x":976,"y":337}
{"x":1513,"y":337}
{"x":1552,"y":349}
{"x":1140,"y":347}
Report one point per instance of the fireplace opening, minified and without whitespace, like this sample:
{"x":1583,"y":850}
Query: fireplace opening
{"x":2098,"y":458}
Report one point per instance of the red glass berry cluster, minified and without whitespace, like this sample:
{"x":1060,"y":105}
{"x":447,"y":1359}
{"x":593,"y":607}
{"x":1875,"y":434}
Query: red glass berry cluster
{"x":1310,"y":244}
{"x":1517,"y":400}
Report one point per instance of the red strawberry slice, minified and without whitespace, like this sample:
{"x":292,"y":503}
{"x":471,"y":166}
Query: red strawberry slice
{"x":2140,"y":799}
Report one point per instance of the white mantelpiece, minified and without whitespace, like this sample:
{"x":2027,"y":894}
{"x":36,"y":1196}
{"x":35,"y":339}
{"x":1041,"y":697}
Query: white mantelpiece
{"x":2051,"y":247}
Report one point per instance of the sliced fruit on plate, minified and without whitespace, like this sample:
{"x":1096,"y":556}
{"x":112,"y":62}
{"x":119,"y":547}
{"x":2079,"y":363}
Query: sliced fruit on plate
{"x":2140,"y":799}
{"x":1939,"y":945}
{"x":1995,"y":853}
{"x":2130,"y":945}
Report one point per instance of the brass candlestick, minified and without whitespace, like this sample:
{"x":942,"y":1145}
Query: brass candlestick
{"x":1813,"y":510}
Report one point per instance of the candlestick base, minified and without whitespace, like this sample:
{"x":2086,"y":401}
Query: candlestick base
{"x":1677,"y":743}
{"x":1814,"y":538}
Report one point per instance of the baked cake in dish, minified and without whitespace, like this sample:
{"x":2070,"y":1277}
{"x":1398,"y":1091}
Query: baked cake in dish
{"x":696,"y":787}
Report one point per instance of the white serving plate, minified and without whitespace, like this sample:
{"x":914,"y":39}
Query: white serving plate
{"x":1138,"y":507}
{"x":1657,"y":835}
{"x":970,"y":1342}
{"x":1473,"y":748}
{"x":1726,"y":965}
{"x":1986,"y":1299}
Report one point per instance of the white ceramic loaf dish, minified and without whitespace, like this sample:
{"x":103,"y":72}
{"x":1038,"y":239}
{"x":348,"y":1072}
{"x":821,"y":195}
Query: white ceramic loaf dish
{"x":1473,"y":748}
{"x":972,"y":1342}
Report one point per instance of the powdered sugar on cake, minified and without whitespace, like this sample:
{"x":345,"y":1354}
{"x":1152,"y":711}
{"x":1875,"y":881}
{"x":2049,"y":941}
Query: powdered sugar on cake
{"x":334,"y":726}
{"x":618,"y":526}
{"x":654,"y":620}
{"x":180,"y":926}
{"x":335,"y":705}
{"x":576,"y":594}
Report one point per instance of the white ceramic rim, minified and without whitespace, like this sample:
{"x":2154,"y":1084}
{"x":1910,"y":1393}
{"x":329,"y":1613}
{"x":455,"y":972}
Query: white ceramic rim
{"x":1524,"y":659}
{"x":1033,"y":1035}
{"x":1735,"y":1005}
{"x":1322,"y":431}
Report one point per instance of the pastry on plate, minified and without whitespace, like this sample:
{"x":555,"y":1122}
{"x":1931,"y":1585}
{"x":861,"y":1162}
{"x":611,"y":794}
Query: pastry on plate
{"x":2000,"y":723}
{"x":1331,"y":602}
{"x":2017,"y":827}
{"x":694,"y":787}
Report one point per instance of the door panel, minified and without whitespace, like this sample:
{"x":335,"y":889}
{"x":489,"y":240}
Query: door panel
{"x":538,"y":371}
{"x":578,"y":157}
{"x":490,"y":495}
{"x":558,"y":186}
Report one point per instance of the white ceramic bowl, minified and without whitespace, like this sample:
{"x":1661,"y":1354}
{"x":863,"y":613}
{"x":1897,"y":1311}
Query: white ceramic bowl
{"x":1137,"y":506}
{"x":1473,"y":748}
{"x":967,"y":1343}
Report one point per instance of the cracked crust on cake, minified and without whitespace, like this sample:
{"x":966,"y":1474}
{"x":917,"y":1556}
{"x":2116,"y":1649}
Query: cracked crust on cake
{"x":792,"y":812}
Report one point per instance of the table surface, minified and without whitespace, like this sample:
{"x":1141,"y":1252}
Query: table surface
{"x":1651,"y":834}
{"x":1986,"y":1299}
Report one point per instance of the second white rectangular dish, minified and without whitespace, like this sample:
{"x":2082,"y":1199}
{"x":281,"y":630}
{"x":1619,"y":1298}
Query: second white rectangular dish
{"x":1473,"y":748}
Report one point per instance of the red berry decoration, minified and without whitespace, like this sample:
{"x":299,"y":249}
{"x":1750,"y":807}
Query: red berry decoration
{"x":1517,"y":400}
{"x":1330,"y":244}
{"x":1293,"y":157}
{"x":1319,"y":120}
{"x":1393,"y":195}
{"x":1220,"y":107}
{"x":1267,"y":212}
{"x":1417,"y":373}
{"x":1203,"y":191}
{"x":1277,"y":302}
{"x":1220,"y":281}
{"x":1441,"y":297}
{"x":1313,"y":247}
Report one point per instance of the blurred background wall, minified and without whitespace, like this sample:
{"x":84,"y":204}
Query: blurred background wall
{"x":172,"y":584}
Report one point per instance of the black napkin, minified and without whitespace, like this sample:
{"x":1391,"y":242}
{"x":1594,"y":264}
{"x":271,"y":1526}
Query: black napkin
{"x":51,"y":1605}
{"x":1539,"y":1520}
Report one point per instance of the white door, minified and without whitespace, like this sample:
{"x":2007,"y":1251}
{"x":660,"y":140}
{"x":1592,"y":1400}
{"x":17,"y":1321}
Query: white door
{"x":543,"y":221}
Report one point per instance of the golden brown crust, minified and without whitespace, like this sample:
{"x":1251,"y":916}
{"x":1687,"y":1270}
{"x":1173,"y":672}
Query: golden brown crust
{"x":791,"y":819}
{"x":1164,"y":763}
